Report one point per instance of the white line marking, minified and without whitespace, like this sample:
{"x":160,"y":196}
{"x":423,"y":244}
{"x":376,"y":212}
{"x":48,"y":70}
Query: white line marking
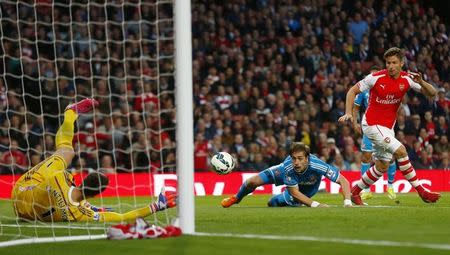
{"x":267,"y":237}
{"x":392,"y":206}
{"x":406,"y":206}
{"x":435,"y":246}
{"x":51,"y":239}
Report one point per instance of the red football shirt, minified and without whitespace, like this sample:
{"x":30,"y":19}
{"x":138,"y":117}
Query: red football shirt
{"x":385,"y":96}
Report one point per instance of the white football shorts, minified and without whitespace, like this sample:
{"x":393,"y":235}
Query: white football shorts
{"x":383,"y":139}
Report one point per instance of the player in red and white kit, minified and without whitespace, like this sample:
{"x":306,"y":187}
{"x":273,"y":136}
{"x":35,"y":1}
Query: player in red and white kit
{"x":387,"y":88}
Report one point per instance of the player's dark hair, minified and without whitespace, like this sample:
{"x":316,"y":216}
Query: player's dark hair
{"x":297,"y":147}
{"x":94,"y":184}
{"x":394,"y":51}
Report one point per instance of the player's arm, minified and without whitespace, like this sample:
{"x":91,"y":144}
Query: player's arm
{"x":355,"y":113}
{"x":427,"y":88}
{"x":300,"y":197}
{"x":128,"y":216}
{"x":86,"y":213}
{"x":349,"y":101}
{"x":333,"y":174}
{"x":345,"y":190}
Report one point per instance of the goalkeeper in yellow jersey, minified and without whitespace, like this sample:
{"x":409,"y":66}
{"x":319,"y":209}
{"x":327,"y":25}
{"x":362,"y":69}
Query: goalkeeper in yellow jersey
{"x":47,"y":191}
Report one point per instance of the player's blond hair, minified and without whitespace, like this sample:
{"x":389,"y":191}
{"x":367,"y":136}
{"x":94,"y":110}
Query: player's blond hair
{"x":394,"y":51}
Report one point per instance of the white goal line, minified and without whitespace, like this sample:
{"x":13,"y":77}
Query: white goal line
{"x":333,"y":240}
{"x":51,"y":239}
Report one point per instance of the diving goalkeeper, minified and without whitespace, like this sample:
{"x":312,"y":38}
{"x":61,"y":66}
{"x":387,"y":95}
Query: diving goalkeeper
{"x":47,"y":191}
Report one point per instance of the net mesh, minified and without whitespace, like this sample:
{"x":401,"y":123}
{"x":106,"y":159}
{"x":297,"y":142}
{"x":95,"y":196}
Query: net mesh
{"x":59,"y":52}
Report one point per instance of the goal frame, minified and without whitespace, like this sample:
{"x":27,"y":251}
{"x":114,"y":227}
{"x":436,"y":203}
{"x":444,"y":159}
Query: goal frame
{"x":184,"y":115}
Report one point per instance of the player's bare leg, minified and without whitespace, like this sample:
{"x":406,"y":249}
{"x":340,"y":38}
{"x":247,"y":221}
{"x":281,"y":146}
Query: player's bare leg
{"x":409,"y":173}
{"x":65,"y":133}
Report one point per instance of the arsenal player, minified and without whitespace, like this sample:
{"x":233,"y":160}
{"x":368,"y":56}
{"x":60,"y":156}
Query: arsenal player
{"x":387,"y":88}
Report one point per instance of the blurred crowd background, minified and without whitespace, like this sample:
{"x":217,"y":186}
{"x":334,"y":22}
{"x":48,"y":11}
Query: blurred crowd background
{"x":265,"y":72}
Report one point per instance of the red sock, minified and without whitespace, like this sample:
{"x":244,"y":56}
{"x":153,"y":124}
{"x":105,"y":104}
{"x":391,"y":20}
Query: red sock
{"x":408,"y":171}
{"x":370,"y":177}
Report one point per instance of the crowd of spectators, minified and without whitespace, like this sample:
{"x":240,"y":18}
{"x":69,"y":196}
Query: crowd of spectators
{"x":266,"y":73}
{"x":57,"y":53}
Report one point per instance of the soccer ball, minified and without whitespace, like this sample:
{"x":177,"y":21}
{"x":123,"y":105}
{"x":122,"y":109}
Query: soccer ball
{"x":223,"y":162}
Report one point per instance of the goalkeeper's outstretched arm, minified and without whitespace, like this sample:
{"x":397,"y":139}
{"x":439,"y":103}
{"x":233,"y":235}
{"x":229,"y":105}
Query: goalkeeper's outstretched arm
{"x":128,"y":216}
{"x":163,"y":203}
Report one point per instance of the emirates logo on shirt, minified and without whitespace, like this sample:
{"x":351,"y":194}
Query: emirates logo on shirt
{"x":390,"y":99}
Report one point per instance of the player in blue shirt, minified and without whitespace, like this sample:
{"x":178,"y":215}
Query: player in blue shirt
{"x":302,"y":174}
{"x":362,"y":101}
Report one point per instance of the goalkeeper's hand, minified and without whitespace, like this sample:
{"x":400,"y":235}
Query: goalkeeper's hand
{"x":164,"y":202}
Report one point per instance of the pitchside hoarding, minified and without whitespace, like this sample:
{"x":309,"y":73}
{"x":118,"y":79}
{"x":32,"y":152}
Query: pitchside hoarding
{"x":209,"y":183}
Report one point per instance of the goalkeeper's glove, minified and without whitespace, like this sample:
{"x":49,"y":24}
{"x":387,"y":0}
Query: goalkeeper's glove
{"x":164,"y":202}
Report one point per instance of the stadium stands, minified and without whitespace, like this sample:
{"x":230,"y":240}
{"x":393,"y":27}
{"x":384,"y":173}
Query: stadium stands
{"x":265,"y":73}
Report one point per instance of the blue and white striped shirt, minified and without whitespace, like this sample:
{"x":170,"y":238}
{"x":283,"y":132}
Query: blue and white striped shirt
{"x":313,"y":174}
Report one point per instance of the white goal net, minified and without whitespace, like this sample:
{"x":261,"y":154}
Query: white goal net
{"x":58,"y":52}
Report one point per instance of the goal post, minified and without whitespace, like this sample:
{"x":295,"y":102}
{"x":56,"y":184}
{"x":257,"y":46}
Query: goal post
{"x":185,"y":116}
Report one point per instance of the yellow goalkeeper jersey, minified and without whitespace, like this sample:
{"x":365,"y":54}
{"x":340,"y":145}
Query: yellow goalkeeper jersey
{"x":44,"y":193}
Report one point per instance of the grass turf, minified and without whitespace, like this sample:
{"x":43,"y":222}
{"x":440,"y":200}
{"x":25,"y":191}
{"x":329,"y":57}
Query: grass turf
{"x":411,"y":221}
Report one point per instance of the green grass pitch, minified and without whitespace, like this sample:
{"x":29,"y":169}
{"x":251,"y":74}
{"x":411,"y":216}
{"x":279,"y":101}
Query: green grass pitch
{"x":382,"y":228}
